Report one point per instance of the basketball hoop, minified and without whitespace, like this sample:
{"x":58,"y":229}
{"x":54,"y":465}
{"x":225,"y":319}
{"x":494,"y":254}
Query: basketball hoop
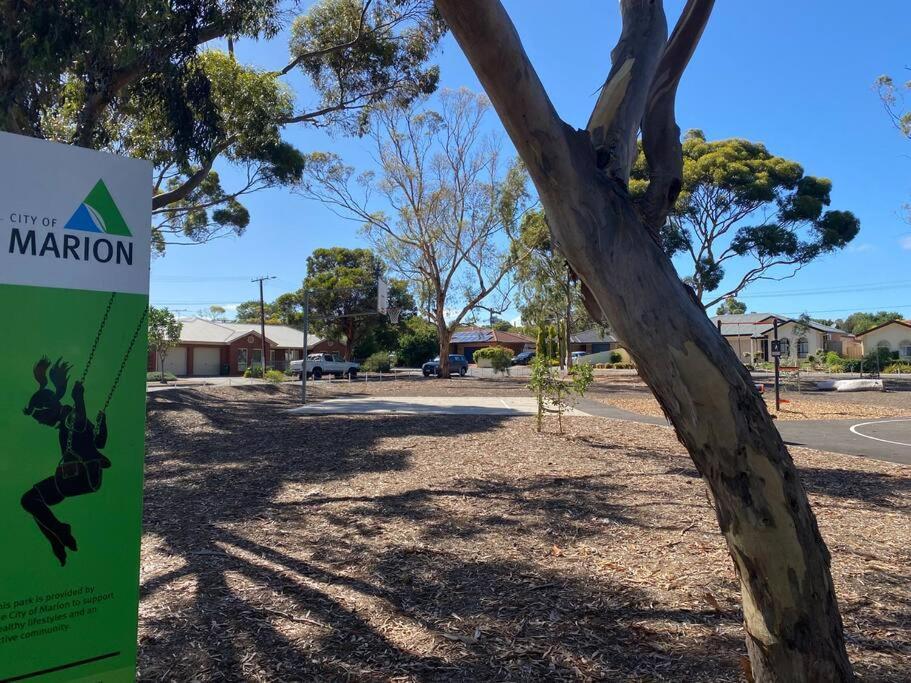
{"x":394,"y":314}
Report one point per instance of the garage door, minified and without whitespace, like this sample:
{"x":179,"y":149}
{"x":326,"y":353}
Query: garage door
{"x":175,"y":362}
{"x":206,"y":361}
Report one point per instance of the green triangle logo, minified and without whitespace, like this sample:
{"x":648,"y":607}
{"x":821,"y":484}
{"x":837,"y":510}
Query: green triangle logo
{"x":99,"y":213}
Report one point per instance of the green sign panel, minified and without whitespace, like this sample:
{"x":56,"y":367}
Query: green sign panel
{"x":74,"y":275}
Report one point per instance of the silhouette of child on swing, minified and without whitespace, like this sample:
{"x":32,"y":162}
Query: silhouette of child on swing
{"x":81,"y":461}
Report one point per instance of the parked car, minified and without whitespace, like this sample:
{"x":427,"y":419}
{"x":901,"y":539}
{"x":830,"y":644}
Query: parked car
{"x":578,"y":354}
{"x":319,"y":364}
{"x":523,"y":358}
{"x":457,"y":365}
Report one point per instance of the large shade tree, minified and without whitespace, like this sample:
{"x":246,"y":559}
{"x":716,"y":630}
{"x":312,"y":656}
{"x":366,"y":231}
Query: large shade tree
{"x":892,"y":95}
{"x":440,"y":212}
{"x":144,"y":78}
{"x":740,"y":205}
{"x":612,"y":240}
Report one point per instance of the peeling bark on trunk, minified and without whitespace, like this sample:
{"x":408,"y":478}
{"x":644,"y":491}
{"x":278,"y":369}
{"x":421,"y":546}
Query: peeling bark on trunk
{"x":793,"y":627}
{"x":445,"y":335}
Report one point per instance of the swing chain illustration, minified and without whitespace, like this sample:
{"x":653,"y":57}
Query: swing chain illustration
{"x":104,"y":321}
{"x":126,"y":357}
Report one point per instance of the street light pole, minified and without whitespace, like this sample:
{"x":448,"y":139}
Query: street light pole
{"x":262,"y":318}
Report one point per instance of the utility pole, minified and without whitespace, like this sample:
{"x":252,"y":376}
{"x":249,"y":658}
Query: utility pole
{"x":304,"y":357}
{"x":262,"y":316}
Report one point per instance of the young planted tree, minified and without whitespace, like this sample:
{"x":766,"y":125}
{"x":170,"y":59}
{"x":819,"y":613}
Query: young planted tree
{"x":144,"y":78}
{"x":613,"y":243}
{"x":452,"y":207}
{"x":739,"y":204}
{"x":164,"y":334}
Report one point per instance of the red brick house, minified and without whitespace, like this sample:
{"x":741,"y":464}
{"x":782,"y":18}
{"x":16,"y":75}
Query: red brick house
{"x":209,"y":348}
{"x":467,"y":341}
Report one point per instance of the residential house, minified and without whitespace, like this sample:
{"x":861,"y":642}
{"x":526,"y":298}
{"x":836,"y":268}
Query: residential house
{"x":467,"y":341}
{"x":594,"y":340}
{"x":750,"y":334}
{"x":894,"y":336}
{"x":209,"y":348}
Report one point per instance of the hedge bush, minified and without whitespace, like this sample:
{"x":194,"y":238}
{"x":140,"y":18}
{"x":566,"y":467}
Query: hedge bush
{"x":895,"y":368}
{"x":254,"y":371}
{"x":616,"y":357}
{"x":381,"y":361}
{"x":499,"y":356}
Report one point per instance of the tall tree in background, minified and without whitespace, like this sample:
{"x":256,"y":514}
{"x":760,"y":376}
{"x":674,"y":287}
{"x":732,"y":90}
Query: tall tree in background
{"x":612,"y":241}
{"x":452,"y":206}
{"x":731,"y":306}
{"x":141,"y":78}
{"x":739,"y":203}
{"x":546,"y":289}
{"x":861,"y":322}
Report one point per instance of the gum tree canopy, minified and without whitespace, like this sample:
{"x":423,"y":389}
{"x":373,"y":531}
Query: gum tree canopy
{"x":612,"y":241}
{"x":740,"y":203}
{"x":144,"y":78}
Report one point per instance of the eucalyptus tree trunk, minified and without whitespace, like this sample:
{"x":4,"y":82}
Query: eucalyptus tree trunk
{"x":793,"y":626}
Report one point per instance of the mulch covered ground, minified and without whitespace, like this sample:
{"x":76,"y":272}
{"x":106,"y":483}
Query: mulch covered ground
{"x":418,"y":548}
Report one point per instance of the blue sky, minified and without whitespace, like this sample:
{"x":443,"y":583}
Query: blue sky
{"x":796,"y":76}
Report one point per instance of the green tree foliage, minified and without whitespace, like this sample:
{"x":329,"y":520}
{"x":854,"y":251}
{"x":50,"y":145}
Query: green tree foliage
{"x":343,"y":289}
{"x":731,"y":306}
{"x":861,"y":321}
{"x":140,"y":78}
{"x":164,"y":333}
{"x":546,"y":289}
{"x":740,"y":202}
{"x":418,"y":342}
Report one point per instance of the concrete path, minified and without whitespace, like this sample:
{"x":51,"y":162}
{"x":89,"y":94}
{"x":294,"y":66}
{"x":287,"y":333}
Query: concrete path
{"x":426,"y":405}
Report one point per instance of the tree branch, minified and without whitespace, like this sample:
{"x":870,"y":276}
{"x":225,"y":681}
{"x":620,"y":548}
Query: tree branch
{"x":615,"y":120}
{"x":333,"y":48}
{"x":660,"y":133}
{"x":163,"y":199}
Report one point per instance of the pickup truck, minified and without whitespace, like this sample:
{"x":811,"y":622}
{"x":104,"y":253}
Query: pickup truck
{"x":319,"y":364}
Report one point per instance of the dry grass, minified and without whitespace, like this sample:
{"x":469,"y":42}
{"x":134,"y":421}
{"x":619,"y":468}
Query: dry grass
{"x":445,"y":549}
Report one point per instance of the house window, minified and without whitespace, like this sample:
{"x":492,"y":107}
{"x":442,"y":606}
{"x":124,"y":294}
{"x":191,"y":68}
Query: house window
{"x":905,"y":347}
{"x":241,"y":359}
{"x":884,"y":345}
{"x":803,"y":347}
{"x":785,"y":347}
{"x":258,"y":357}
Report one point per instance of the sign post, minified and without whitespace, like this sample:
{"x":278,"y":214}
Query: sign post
{"x":776,"y":353}
{"x":74,"y":279}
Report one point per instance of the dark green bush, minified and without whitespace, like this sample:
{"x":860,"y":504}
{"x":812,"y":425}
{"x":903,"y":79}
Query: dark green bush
{"x":616,"y":357}
{"x":378,"y":362}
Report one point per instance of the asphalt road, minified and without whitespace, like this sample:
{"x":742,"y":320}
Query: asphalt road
{"x":888,"y":439}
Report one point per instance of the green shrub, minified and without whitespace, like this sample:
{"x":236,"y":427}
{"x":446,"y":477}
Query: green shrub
{"x":156,"y":377}
{"x":417,"y":346}
{"x":275,"y":376}
{"x":378,"y":362}
{"x":616,"y":357}
{"x":499,"y":356}
{"x":895,"y":368}
{"x":833,"y":358}
{"x":254,"y":371}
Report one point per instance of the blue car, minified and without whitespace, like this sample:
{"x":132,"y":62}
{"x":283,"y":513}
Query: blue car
{"x":457,"y":365}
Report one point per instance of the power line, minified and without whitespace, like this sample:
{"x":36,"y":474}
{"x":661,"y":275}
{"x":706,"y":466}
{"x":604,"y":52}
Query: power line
{"x":859,"y":287}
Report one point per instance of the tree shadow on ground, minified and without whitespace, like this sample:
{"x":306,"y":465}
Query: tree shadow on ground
{"x":872,"y":488}
{"x":263,"y":575}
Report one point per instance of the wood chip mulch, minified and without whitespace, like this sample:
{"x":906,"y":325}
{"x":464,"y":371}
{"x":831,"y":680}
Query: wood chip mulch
{"x":417,"y":548}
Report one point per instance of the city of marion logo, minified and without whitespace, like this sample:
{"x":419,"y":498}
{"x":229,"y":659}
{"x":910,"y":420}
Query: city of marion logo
{"x":97,"y":213}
